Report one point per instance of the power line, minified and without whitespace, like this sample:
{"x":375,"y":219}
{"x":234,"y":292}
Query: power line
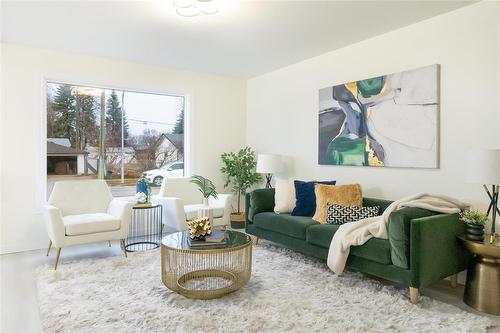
{"x":151,"y":122}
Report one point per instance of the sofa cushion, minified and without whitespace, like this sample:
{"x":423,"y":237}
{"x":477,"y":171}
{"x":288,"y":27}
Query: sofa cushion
{"x":305,"y":204}
{"x":376,"y":249}
{"x":284,"y":197}
{"x":336,"y":214}
{"x":192,"y":211}
{"x":84,"y":224}
{"x":261,"y":200}
{"x":342,"y":195}
{"x":293,"y":226}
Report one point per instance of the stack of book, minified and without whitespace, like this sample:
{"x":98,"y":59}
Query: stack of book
{"x":214,"y":240}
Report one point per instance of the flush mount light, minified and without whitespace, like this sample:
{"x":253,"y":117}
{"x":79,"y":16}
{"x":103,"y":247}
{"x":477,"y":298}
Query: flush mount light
{"x":192,"y":8}
{"x":188,"y":11}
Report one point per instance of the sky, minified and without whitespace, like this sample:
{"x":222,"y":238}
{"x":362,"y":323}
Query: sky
{"x":151,"y":111}
{"x":142,"y":110}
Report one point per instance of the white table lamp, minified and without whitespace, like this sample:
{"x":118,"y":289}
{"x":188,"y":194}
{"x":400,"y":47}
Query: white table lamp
{"x":484,"y":168}
{"x":269,"y":164}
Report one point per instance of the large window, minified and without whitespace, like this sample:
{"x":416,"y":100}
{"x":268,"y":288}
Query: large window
{"x":113,"y":134}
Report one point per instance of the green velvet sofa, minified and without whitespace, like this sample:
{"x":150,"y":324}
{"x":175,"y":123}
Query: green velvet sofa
{"x":422,"y":247}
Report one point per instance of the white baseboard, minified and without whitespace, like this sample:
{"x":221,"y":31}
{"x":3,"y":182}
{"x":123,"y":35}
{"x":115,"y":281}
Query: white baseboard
{"x":15,"y":248}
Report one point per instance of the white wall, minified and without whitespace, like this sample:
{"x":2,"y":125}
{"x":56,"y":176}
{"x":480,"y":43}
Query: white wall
{"x":217,"y":118}
{"x":282,"y":106}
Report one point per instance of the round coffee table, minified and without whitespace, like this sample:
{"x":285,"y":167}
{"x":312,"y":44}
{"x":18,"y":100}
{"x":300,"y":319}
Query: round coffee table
{"x":482,"y":288}
{"x":206,"y":273}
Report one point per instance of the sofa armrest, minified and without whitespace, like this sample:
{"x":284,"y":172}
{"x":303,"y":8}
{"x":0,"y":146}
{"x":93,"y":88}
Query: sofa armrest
{"x":173,"y":215}
{"x":247,"y":208}
{"x":55,"y":225}
{"x":261,"y":200}
{"x":121,"y":209}
{"x":399,"y":233}
{"x":435,"y":251}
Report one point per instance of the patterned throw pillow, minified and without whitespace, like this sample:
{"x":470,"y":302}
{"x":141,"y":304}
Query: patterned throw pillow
{"x":336,"y":214}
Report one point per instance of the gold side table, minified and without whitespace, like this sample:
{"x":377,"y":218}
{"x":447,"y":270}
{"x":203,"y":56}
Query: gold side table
{"x":482,"y":288}
{"x":209,"y":272}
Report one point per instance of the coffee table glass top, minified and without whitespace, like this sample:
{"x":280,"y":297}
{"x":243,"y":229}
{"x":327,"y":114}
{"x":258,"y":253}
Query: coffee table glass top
{"x":179,"y":240}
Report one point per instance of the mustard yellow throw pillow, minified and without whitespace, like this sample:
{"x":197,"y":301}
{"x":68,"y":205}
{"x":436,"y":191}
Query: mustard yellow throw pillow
{"x":342,"y":195}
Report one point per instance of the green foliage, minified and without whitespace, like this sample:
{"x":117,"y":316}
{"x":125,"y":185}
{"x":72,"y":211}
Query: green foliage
{"x":86,"y":129}
{"x":179,"y":124}
{"x":473,"y":217}
{"x":114,"y":114}
{"x":205,"y":186}
{"x":63,"y":116}
{"x":240,"y":171}
{"x":73,"y":116}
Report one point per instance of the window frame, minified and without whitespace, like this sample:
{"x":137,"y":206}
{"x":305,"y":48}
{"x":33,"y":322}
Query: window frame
{"x":188,"y":155}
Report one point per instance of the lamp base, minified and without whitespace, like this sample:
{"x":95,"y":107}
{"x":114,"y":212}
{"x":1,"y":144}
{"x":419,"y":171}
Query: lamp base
{"x":493,"y":208}
{"x":269,"y":177}
{"x":494,"y":238}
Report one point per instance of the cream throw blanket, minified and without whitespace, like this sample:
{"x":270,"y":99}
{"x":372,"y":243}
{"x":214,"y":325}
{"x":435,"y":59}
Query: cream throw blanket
{"x":358,"y":233}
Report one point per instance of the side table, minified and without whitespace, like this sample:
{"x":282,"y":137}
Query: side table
{"x":145,"y":231}
{"x":482,"y":288}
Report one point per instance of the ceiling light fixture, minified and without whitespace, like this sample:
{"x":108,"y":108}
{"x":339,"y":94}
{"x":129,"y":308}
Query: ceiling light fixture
{"x":192,"y":8}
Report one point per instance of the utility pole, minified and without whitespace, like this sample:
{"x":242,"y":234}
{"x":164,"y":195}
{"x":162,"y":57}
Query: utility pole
{"x":123,"y":140}
{"x":101,"y":166}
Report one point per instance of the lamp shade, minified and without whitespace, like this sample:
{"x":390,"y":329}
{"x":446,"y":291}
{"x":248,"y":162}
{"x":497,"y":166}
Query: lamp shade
{"x":269,"y":163}
{"x":483,"y":166}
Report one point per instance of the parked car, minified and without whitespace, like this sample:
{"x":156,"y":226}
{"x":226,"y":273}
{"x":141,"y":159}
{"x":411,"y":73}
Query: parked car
{"x":171,"y":170}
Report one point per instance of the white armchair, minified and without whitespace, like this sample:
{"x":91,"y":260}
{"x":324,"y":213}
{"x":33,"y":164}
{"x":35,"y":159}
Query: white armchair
{"x":83,"y":211}
{"x":181,"y":201}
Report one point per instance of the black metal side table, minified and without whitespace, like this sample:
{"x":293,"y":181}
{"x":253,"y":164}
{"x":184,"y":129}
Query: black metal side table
{"x":146,"y":229}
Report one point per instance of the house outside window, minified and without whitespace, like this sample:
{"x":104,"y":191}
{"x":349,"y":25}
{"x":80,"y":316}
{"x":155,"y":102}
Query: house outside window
{"x":112,"y":134}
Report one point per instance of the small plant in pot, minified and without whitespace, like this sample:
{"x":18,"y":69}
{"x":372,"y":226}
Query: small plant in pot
{"x":205,"y":186}
{"x":207,"y":189}
{"x":475,"y":221}
{"x":239,"y":169}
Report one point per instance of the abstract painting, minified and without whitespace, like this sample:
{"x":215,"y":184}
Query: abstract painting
{"x":385,"y":121}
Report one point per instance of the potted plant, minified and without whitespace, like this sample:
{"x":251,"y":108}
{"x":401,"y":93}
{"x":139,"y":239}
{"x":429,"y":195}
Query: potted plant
{"x":205,"y":186}
{"x":207,"y":189}
{"x":475,"y":221}
{"x":239,"y":169}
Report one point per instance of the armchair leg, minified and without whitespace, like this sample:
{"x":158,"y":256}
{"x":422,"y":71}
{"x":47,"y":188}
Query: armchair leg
{"x":109,"y":243}
{"x":57,"y":257}
{"x":256,"y":240}
{"x":49,"y":247}
{"x":454,"y":280}
{"x":414,"y":295}
{"x":122,"y":242}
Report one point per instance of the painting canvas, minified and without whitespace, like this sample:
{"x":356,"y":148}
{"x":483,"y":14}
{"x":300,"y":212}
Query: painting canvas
{"x":385,"y":121}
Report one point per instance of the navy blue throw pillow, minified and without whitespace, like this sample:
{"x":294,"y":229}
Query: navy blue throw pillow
{"x":306,"y":199}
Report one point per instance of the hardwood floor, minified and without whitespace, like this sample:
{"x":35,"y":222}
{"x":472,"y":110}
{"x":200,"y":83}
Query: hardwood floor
{"x":19,"y":304}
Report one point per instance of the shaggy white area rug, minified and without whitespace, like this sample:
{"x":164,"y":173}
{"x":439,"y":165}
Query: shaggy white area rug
{"x":287,"y":292}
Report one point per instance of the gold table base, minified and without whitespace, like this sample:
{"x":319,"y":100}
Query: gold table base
{"x":482,"y":288}
{"x":208,"y":273}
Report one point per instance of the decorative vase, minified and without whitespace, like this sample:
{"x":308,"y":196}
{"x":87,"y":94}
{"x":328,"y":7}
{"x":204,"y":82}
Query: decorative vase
{"x":142,"y":186}
{"x":206,"y":212}
{"x":474,"y":232}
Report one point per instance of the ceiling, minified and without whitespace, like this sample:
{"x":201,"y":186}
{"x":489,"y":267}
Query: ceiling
{"x":245,"y":39}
